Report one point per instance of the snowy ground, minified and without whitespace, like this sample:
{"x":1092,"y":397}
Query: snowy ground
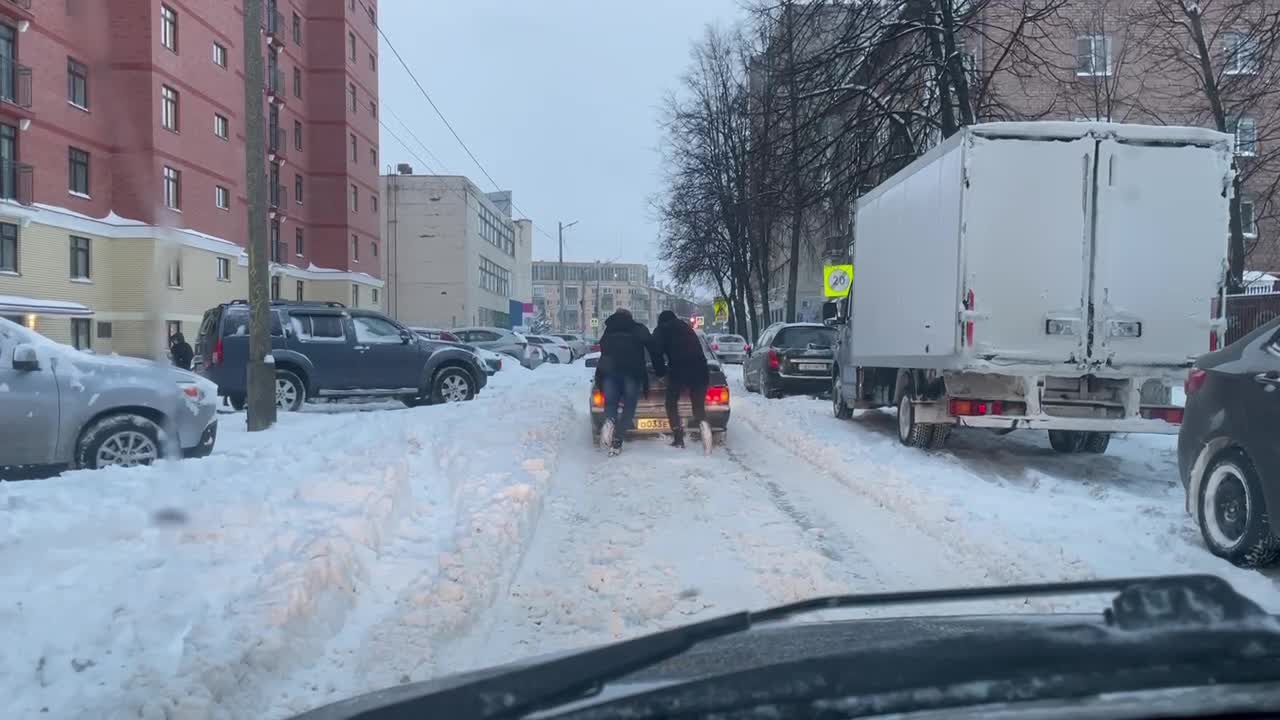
{"x":346,"y":550}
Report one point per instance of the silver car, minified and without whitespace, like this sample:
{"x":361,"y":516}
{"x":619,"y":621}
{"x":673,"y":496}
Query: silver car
{"x":499,"y":340}
{"x":729,"y":348}
{"x":62,"y":406}
{"x":577,"y":343}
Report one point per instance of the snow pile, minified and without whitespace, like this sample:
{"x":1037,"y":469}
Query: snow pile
{"x":188,"y":589}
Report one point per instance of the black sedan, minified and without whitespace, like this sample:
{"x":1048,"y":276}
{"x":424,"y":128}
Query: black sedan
{"x":791,"y":358}
{"x":1228,"y":452}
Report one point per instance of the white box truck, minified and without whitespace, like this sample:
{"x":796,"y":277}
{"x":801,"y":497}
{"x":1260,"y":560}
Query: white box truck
{"x":1049,"y":275}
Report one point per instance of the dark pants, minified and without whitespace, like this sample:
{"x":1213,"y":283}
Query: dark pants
{"x":622,"y":388}
{"x":697,"y":398}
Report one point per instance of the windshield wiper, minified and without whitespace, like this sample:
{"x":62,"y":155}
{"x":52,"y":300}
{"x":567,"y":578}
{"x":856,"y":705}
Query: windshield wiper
{"x":1144,"y":602}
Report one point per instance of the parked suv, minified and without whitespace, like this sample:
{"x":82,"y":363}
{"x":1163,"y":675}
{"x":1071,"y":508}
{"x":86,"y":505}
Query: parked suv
{"x":65,"y":407}
{"x":325,"y":350}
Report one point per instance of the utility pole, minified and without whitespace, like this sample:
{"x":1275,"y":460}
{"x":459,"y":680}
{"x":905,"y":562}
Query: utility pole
{"x":560,"y":270}
{"x":261,"y":395}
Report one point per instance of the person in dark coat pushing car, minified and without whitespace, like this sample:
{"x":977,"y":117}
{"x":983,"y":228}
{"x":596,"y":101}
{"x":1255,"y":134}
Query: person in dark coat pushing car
{"x":622,"y":374}
{"x":678,"y":354}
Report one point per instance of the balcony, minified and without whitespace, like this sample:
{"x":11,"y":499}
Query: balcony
{"x":277,"y":142}
{"x":274,"y":81}
{"x":15,"y":87}
{"x":16,"y":181}
{"x":19,"y":10}
{"x":273,"y":24}
{"x":279,"y":201}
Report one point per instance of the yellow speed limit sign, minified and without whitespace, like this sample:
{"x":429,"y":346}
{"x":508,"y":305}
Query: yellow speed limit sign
{"x":836,"y":280}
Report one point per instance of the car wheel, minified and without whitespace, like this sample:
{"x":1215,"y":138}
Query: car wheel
{"x":452,"y":384}
{"x":838,"y":408}
{"x":553,"y":359}
{"x":1233,"y":513}
{"x":119,"y":441}
{"x":237,"y":402}
{"x":290,"y":392}
{"x":910,"y":432}
{"x":1096,"y":442}
{"x":1066,"y":441}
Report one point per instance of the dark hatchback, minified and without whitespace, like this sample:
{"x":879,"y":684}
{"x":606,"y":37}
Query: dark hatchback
{"x":791,"y":358}
{"x":1229,"y":448}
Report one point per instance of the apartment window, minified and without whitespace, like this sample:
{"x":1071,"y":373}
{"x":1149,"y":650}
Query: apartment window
{"x":1093,"y":55}
{"x":78,"y":171}
{"x":373,"y":248}
{"x":373,"y":108}
{"x":355,"y":248}
{"x":374,"y":295}
{"x":1248,"y":220}
{"x":1240,"y":54}
{"x":297,"y":188}
{"x":219,"y":55}
{"x":175,"y":273}
{"x":104,"y":330}
{"x":355,"y":296}
{"x":354,"y":155}
{"x":79,"y":258}
{"x":351,"y":90}
{"x":1245,"y":130}
{"x":373,"y":203}
{"x":172,"y":188}
{"x":373,"y":62}
{"x":221,"y":197}
{"x":351,"y":46}
{"x":352,"y":4}
{"x":494,"y":278}
{"x":297,"y":134}
{"x":373,"y":157}
{"x":275,"y":287}
{"x":297,"y":29}
{"x":297,"y":82}
{"x":224,"y":268}
{"x":297,"y":242}
{"x":172,"y":327}
{"x":77,"y":83}
{"x":169,"y":28}
{"x":277,"y":251}
{"x":80,"y":338}
{"x":355,"y":199}
{"x":169,"y":108}
{"x":221,"y":126}
{"x":8,"y":247}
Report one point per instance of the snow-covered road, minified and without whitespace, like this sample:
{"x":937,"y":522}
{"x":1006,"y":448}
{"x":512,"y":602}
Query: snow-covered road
{"x":346,"y":551}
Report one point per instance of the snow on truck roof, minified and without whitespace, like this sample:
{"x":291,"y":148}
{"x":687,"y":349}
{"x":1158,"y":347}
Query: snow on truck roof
{"x":1062,"y":130}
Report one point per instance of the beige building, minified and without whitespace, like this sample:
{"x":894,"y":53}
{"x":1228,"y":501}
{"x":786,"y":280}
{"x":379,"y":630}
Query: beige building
{"x":593,"y":290}
{"x":114,"y":285}
{"x":454,"y":255}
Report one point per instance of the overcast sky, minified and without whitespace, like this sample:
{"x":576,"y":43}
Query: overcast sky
{"x":558,"y":99}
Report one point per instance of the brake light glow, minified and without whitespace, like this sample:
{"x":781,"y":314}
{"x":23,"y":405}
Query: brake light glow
{"x":774,"y":363}
{"x":216,"y":356}
{"x":1195,"y":381}
{"x":968,"y":408}
{"x":597,"y":399}
{"x":1169,"y":415}
{"x":718,"y":395}
{"x":715,"y":346}
{"x":747,"y":347}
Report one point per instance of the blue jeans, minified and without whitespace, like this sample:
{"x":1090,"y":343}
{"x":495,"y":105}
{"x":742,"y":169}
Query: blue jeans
{"x":620,"y":388}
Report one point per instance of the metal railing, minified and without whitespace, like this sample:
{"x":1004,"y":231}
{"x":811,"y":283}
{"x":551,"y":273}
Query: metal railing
{"x":273,"y":22}
{"x":1246,"y":313}
{"x":278,"y":196}
{"x":275,"y":81}
{"x":15,"y":82}
{"x":277,"y":140}
{"x":16,"y":181}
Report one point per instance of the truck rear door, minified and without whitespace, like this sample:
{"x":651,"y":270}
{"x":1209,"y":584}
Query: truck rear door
{"x":1026,"y":213}
{"x":1159,"y":249}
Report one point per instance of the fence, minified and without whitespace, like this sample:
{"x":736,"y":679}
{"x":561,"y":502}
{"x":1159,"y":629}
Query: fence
{"x":1245,"y":313}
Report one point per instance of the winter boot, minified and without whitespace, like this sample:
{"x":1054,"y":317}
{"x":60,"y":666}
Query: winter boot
{"x":708,"y":440}
{"x":677,"y":437}
{"x":615,"y":447}
{"x":606,"y":434}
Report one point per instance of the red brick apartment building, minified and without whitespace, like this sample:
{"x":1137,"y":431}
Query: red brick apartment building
{"x":122,"y":199}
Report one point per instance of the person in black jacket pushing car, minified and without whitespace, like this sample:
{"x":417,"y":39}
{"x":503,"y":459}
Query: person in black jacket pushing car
{"x":678,"y":354}
{"x":622,"y":374}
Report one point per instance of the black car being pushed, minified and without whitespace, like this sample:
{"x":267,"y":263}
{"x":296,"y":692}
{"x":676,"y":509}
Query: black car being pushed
{"x":1176,"y":646}
{"x":325,"y":350}
{"x":1229,"y":448}
{"x":791,"y":358}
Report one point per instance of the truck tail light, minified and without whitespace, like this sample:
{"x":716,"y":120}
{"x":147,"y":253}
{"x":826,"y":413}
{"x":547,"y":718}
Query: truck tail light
{"x":969,"y":408}
{"x":1169,"y":415}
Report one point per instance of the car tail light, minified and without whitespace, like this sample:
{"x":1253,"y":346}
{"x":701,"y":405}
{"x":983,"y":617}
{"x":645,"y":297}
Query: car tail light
{"x":1169,"y":415}
{"x":597,"y":399}
{"x":968,"y":408}
{"x":715,"y":346}
{"x":1195,"y":381}
{"x":718,"y":395}
{"x":774,"y":363}
{"x":216,"y":357}
{"x":746,"y":348}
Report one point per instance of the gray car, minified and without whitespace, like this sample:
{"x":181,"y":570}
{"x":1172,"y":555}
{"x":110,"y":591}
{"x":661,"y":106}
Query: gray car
{"x":577,"y":343}
{"x":500,"y":340}
{"x":60,"y":406}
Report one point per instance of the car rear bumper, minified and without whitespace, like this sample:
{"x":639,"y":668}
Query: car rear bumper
{"x":717,"y":418}
{"x":731,"y":357}
{"x":799,"y":383}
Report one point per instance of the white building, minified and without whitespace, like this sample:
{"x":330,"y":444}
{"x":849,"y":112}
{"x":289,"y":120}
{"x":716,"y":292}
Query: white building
{"x":453,"y":256}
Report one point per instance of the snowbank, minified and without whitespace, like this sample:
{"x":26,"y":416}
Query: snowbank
{"x":186,"y":589}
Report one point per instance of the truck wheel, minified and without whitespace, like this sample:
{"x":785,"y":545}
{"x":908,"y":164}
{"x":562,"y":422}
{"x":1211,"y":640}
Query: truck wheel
{"x":1233,"y":512}
{"x":1067,"y":441}
{"x":838,"y":408}
{"x":938,"y":438}
{"x":910,"y":432}
{"x":1096,"y":442}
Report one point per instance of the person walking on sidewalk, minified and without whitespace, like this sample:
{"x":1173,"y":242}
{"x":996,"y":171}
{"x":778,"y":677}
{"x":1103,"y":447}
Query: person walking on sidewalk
{"x":679,"y":355}
{"x":180,"y":351}
{"x":621,"y":374}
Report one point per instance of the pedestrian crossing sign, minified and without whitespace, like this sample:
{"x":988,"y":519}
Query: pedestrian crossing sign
{"x":836,"y":280}
{"x":721,"y":307}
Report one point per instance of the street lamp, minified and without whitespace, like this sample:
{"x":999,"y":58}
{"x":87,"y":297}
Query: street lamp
{"x":560,"y":315}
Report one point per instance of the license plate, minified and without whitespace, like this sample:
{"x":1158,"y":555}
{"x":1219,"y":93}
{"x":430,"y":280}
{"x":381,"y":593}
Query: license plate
{"x":812,"y":367}
{"x":653,"y":425}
